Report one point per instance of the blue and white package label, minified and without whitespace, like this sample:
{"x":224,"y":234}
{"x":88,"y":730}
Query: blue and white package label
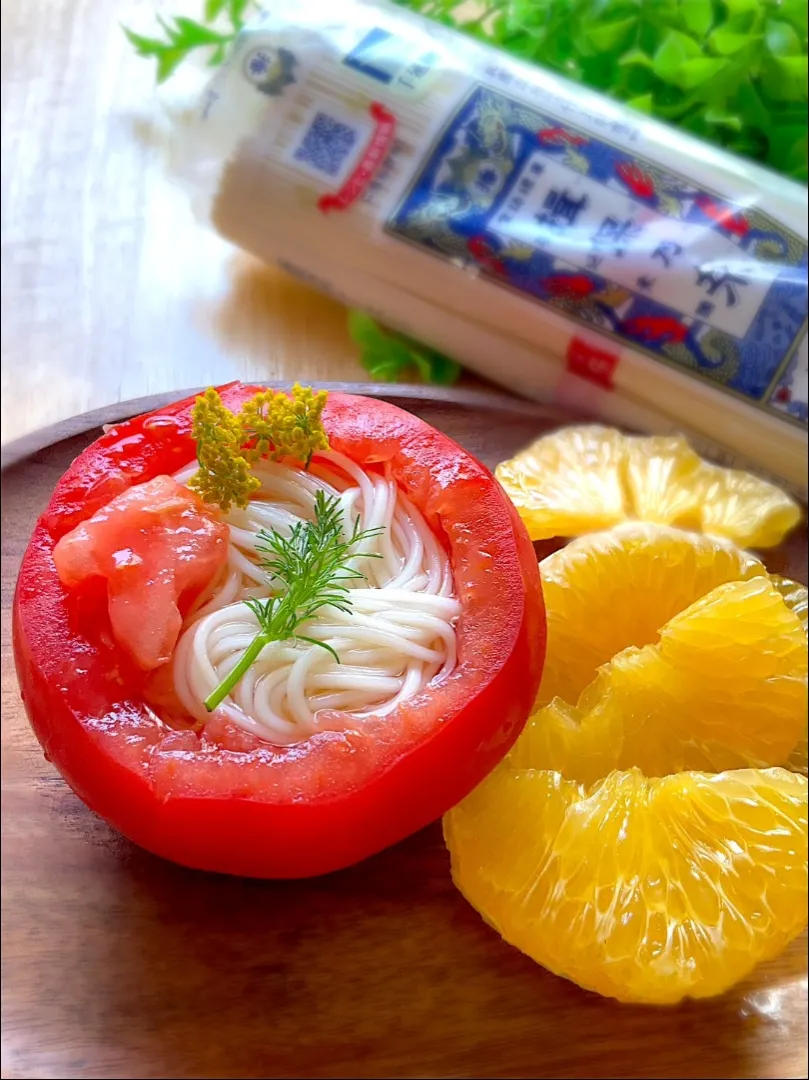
{"x":405,"y":66}
{"x":610,"y":240}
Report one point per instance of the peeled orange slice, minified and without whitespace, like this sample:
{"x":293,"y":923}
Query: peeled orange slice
{"x":607,"y":591}
{"x":724,"y":687}
{"x":623,"y":842}
{"x":583,"y":479}
{"x":668,"y":651}
{"x":796,"y":597}
{"x":642,"y":890}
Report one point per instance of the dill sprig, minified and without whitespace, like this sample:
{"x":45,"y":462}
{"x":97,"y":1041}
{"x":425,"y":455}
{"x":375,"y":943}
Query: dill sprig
{"x":311,"y":566}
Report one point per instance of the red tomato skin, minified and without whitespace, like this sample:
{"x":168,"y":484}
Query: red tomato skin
{"x":267,"y":812}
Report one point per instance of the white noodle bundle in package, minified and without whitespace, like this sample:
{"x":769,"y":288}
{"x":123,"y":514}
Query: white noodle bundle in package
{"x":555,"y":241}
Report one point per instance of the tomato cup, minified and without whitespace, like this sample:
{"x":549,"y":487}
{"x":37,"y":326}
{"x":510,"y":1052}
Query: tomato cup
{"x":216,"y":798}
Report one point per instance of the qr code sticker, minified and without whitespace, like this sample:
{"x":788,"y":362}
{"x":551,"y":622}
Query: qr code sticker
{"x":326,"y":145}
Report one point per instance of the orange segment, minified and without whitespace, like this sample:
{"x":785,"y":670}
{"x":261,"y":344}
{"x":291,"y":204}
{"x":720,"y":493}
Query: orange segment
{"x":642,"y":890}
{"x":569,"y":482}
{"x":606,"y":846}
{"x":607,"y":591}
{"x":745,"y":508}
{"x":725,"y":687}
{"x":660,"y":474}
{"x":581,"y":479}
{"x":796,"y":597}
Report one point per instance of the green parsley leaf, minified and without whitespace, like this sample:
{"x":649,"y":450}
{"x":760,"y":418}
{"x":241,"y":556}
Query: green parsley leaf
{"x":665,"y":58}
{"x":391,"y":357}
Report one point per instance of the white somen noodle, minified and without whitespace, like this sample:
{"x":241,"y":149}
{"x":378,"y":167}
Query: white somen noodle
{"x":398,"y":636}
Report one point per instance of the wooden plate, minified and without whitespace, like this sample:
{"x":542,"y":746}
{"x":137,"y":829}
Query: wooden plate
{"x":117,"y":964}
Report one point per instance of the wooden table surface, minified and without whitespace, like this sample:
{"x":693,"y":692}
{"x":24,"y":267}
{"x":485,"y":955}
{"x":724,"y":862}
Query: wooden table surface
{"x":117,"y":964}
{"x":111,"y":288}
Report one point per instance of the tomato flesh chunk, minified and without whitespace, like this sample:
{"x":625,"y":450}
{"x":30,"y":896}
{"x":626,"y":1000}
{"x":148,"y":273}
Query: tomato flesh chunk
{"x":153,"y":544}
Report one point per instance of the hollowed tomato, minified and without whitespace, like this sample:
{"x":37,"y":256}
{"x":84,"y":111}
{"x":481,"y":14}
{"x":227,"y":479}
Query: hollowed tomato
{"x":220,"y":799}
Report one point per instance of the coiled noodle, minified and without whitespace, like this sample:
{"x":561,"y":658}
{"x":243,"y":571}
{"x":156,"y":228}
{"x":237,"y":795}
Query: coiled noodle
{"x":398,"y":636}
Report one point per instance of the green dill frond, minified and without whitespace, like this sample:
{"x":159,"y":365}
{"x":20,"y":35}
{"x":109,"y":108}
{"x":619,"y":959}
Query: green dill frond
{"x":311,"y":565}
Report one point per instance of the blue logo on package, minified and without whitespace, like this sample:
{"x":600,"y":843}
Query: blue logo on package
{"x":375,"y":56}
{"x":402,"y":65}
{"x":613,"y":241}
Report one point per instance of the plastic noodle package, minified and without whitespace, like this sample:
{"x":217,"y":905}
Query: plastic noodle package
{"x":555,"y":241}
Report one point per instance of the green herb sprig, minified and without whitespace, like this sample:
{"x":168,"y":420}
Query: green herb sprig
{"x":390,"y":357}
{"x":223,"y":19}
{"x":311,"y":566}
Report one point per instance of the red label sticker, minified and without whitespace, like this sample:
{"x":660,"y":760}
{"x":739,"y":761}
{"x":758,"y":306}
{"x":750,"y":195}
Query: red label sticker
{"x":375,"y":153}
{"x":591,"y":363}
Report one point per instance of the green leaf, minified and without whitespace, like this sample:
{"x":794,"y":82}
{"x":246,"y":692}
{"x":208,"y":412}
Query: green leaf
{"x":389,"y":356}
{"x":183,"y":36}
{"x":237,"y":11}
{"x":751,"y":108}
{"x":674,"y":51}
{"x":723,"y":119}
{"x":170,"y":31}
{"x":168,"y":62}
{"x":636,"y":58}
{"x":698,"y":16}
{"x":781,"y":39}
{"x":144,"y":46}
{"x":796,"y":160}
{"x":785,"y":78}
{"x":788,"y":145}
{"x":727,"y":43}
{"x":191,"y":34}
{"x":737,"y":9}
{"x":643,"y":103}
{"x":364,"y":330}
{"x":694,"y":73}
{"x":610,"y":35}
{"x":214,"y":8}
{"x":434,"y":367}
{"x":796,"y":12}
